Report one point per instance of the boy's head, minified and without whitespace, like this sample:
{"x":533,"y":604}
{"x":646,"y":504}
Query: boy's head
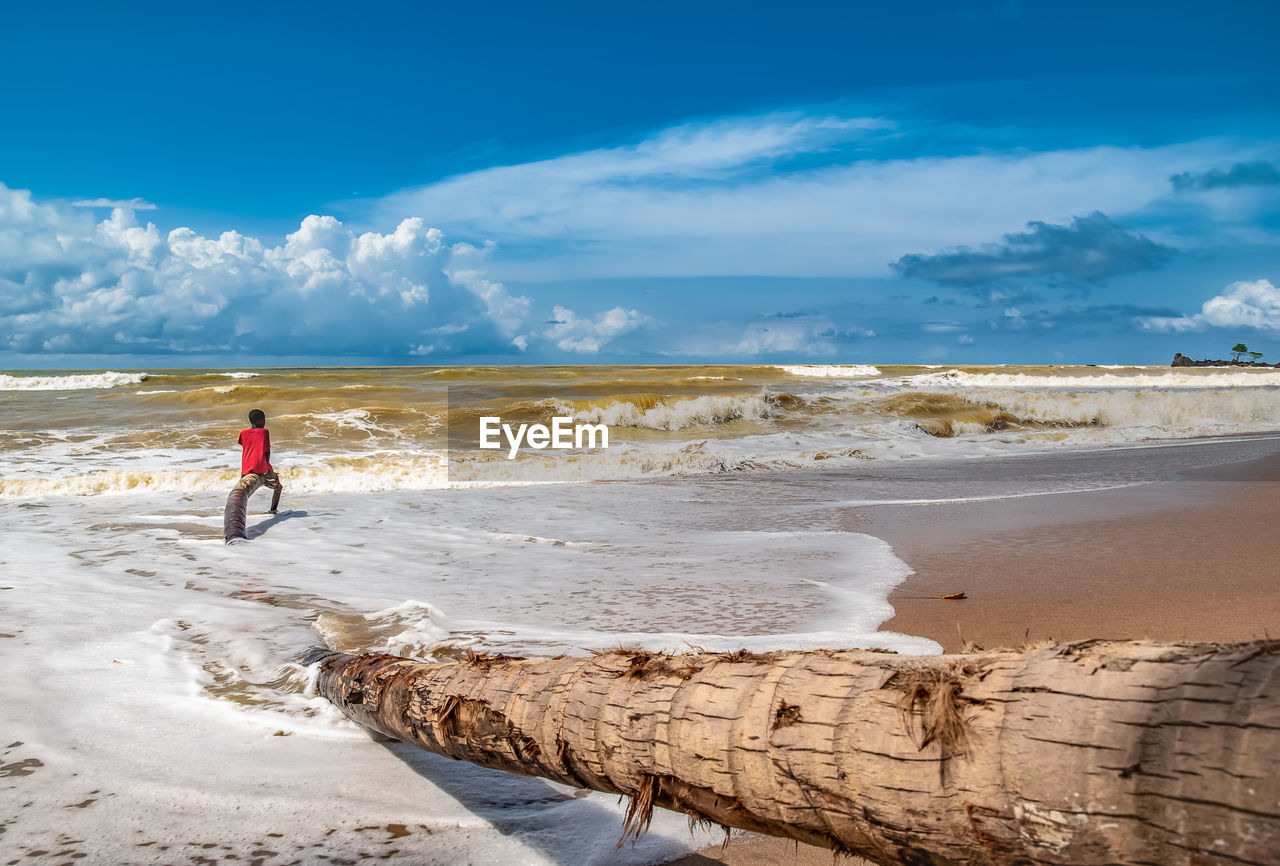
{"x":258,"y":418}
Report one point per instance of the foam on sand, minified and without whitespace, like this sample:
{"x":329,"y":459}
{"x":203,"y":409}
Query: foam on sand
{"x":151,"y":674}
{"x":151,"y":678}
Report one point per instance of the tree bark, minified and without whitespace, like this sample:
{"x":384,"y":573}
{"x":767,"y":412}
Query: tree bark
{"x":236,"y":515}
{"x":1093,"y":752}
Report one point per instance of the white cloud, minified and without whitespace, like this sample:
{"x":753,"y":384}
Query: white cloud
{"x":809,"y":336}
{"x":131,"y":204}
{"x":1243,"y":304}
{"x":1169,"y":324}
{"x":507,"y":313}
{"x":573,"y":333}
{"x":764,"y":339}
{"x":73,"y":285}
{"x":731,"y":197}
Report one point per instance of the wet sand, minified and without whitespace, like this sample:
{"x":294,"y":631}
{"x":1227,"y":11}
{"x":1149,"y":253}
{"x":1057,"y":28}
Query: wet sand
{"x":1195,"y":557}
{"x":755,"y":850}
{"x":1192,"y":558}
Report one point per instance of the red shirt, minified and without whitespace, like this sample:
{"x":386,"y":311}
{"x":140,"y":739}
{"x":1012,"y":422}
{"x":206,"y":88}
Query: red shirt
{"x":256,"y":442}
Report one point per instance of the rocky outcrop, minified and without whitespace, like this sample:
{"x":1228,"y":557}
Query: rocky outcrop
{"x":1181,"y":360}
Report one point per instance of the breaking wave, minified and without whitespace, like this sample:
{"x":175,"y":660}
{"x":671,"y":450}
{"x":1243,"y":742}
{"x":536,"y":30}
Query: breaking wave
{"x":366,"y":473}
{"x":73,"y":382}
{"x":236,"y":394}
{"x":1210,"y":378}
{"x":656,"y":412}
{"x":367,"y":430}
{"x":831,"y":371}
{"x":947,"y":415}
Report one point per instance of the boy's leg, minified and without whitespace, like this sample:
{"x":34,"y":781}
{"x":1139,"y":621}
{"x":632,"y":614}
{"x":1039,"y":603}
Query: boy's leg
{"x":273,"y":481}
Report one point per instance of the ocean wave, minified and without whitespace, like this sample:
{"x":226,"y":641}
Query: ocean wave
{"x":948,"y":415}
{"x":1149,"y":413}
{"x":656,"y":412}
{"x":704,"y":457}
{"x":380,"y":472}
{"x":413,"y":628}
{"x":239,"y":393}
{"x":388,"y":424}
{"x":890,"y":440}
{"x":240,"y":375}
{"x":362,"y":474}
{"x":1216,"y":378}
{"x":73,"y":382}
{"x":1144,"y":413}
{"x":389,"y":435}
{"x":830,"y":371}
{"x":104,"y":481}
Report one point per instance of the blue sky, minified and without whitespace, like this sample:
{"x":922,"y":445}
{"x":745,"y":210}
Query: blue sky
{"x":582,"y":182}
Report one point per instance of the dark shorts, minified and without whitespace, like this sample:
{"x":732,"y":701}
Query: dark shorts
{"x":268,"y":479}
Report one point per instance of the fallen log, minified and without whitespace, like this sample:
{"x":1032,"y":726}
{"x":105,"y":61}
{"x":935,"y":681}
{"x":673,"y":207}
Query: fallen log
{"x":235,"y":515}
{"x":1092,"y":752}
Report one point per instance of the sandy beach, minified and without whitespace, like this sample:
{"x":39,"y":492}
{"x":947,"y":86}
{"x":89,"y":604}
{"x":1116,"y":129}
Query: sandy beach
{"x":1192,"y":557}
{"x":853,"y":421}
{"x":754,"y":508}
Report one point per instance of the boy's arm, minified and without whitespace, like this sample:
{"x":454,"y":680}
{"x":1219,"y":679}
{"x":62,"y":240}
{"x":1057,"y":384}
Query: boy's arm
{"x":266,"y":440}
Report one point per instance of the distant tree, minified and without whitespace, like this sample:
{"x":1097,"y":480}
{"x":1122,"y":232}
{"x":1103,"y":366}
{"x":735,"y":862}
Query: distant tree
{"x":1237,"y":350}
{"x":1253,"y":356}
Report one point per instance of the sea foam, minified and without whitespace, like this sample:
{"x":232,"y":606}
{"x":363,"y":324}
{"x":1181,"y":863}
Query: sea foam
{"x":1216,"y":378}
{"x":72,"y":382}
{"x":676,"y":413}
{"x":363,"y":431}
{"x":831,"y":371}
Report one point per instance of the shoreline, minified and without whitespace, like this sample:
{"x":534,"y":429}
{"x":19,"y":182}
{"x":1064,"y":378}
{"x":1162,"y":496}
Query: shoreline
{"x":135,"y":609}
{"x":1187,"y":558}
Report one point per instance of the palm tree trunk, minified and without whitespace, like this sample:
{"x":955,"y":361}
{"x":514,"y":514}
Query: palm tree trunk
{"x":236,"y":515}
{"x":1093,"y":752}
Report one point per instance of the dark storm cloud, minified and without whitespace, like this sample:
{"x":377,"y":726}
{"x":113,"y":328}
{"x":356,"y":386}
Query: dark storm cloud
{"x":1240,"y":174}
{"x":1089,"y":249}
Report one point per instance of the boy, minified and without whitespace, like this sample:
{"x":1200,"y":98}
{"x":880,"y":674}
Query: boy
{"x":256,"y":459}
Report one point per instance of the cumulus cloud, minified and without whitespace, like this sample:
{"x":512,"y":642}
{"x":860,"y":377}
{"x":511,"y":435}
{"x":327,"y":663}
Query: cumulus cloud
{"x":1243,"y":304}
{"x":779,"y":194}
{"x":72,"y":285}
{"x":573,"y":333}
{"x":467,"y":270}
{"x":1089,"y":249}
{"x":1240,"y":174}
